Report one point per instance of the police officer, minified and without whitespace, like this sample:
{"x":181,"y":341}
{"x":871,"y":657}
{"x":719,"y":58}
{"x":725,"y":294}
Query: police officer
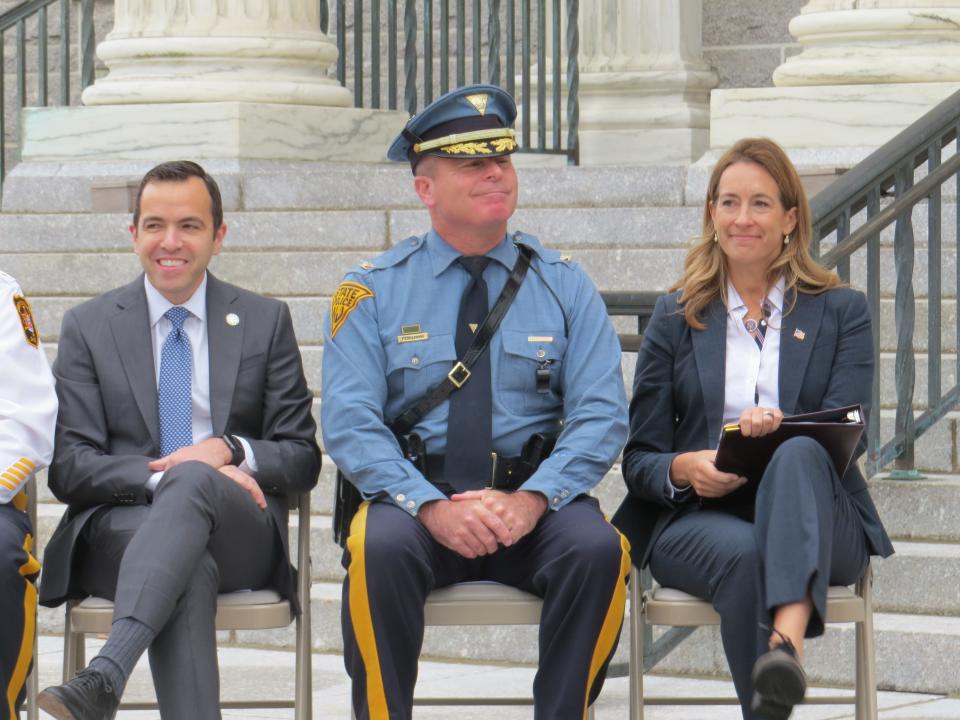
{"x":459,"y":498}
{"x":28,"y":413}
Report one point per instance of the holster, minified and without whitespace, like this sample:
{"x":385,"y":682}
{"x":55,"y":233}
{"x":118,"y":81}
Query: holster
{"x":347,"y":498}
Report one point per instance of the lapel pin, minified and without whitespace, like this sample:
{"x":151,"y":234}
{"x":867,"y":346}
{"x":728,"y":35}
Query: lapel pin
{"x":232,"y":319}
{"x":799,"y":334}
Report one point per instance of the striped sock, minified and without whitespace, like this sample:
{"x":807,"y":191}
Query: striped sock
{"x":127,"y":641}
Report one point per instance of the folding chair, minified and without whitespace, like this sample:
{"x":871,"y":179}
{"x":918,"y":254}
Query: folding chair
{"x":253,"y":610}
{"x":666,"y":606}
{"x":481,"y":603}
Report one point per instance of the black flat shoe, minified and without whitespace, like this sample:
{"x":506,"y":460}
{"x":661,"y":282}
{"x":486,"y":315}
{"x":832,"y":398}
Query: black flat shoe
{"x":88,"y":696}
{"x":779,"y":682}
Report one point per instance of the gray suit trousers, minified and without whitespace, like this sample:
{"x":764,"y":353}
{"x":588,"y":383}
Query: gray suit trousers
{"x":164,"y":564}
{"x":805,"y":535}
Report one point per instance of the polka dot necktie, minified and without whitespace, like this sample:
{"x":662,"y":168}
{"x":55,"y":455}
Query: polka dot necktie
{"x":176,"y":407}
{"x":468,"y":464}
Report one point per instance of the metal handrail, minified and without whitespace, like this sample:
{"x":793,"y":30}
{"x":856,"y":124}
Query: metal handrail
{"x":888,"y":176}
{"x":16,"y":19}
{"x":539,"y":109}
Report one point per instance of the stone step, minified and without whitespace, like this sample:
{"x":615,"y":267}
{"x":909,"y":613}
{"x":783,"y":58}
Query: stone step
{"x":51,"y":187}
{"x":313,"y":269}
{"x":921,"y":578}
{"x":925,"y":510}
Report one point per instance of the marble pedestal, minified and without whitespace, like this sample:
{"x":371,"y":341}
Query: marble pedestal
{"x":228,"y":130}
{"x":822,"y":116}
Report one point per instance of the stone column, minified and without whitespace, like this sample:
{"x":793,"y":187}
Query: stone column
{"x":644,"y":87}
{"x":164,"y":51}
{"x":234,"y":79}
{"x":868,"y":68}
{"x":880,"y":41}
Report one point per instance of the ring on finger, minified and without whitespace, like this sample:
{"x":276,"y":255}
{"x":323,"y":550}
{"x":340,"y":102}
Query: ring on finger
{"x":767,"y":413}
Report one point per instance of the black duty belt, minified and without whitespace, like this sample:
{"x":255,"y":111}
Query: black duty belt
{"x":509,"y":473}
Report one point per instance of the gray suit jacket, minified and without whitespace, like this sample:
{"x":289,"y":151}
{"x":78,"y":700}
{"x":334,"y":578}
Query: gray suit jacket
{"x":108,"y":427}
{"x":826,"y":361}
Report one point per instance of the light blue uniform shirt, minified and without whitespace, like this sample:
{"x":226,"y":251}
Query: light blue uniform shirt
{"x":372,"y":372}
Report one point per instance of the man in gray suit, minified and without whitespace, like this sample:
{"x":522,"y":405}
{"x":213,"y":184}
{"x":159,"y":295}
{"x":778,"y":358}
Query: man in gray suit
{"x":184,"y":421}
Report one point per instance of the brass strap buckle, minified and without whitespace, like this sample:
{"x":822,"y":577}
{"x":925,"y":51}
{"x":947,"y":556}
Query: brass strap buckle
{"x":459,"y":374}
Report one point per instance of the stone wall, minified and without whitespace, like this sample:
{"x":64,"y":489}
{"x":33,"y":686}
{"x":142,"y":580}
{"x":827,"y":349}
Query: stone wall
{"x":746,"y":40}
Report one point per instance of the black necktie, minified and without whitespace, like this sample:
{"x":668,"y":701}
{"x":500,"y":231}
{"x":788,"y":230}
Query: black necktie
{"x":468,"y":462}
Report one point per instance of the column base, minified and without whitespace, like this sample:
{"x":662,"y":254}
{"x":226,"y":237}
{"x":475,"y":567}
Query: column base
{"x":822,"y":116}
{"x":231,"y":130}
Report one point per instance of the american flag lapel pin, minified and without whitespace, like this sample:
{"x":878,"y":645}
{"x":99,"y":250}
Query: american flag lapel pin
{"x":799,"y":334}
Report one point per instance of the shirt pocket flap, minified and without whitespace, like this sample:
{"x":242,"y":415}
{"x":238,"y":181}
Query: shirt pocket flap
{"x":537,"y":346}
{"x":416,"y":355}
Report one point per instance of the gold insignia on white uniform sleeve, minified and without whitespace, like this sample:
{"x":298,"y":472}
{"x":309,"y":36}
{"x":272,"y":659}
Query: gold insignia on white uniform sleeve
{"x":26,"y":320}
{"x":345,"y":301}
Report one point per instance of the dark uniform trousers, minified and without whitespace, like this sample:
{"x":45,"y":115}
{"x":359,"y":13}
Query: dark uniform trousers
{"x":573,"y":559}
{"x":18,"y":606}
{"x":164,"y":565}
{"x":805,"y":536}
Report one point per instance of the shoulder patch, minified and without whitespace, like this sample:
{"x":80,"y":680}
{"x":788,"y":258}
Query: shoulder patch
{"x":345,"y":301}
{"x":26,"y":320}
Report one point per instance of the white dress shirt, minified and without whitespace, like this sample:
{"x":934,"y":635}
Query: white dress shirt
{"x":195,"y":327}
{"x":752,"y":374}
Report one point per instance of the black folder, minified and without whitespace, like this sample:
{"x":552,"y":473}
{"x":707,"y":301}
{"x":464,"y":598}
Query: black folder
{"x":838,"y":430}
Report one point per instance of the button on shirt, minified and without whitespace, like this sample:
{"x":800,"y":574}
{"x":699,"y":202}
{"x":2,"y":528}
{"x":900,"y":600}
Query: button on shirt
{"x":195,"y":327}
{"x":557,"y":321}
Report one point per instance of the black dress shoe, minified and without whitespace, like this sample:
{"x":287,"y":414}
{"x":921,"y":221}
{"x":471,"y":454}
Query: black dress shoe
{"x":87,"y":697}
{"x":779,"y":682}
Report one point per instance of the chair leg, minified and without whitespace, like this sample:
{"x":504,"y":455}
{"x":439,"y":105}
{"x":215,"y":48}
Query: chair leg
{"x":303,"y":709}
{"x":69,"y":645}
{"x":33,"y":683}
{"x":636,"y":646}
{"x":867,"y":670}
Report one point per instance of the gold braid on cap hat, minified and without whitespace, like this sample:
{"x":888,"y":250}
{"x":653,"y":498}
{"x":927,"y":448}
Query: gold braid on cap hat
{"x":460,"y":140}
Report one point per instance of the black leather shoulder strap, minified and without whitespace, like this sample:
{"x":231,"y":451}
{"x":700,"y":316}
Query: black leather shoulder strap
{"x":460,"y":372}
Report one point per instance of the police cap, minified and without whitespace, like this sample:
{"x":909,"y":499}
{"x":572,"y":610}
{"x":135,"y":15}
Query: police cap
{"x":476,"y":120}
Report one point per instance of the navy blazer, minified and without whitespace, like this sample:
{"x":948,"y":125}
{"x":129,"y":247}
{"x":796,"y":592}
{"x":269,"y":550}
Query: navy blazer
{"x":826,"y":361}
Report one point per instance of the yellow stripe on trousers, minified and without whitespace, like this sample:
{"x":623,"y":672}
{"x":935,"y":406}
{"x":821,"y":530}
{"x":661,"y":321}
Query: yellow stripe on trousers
{"x":361,"y":617}
{"x":30,"y":568}
{"x":612,"y":621}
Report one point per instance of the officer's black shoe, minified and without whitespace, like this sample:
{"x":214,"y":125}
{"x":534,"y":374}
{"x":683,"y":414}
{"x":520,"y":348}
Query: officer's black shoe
{"x":87,"y":696}
{"x":779,"y":682}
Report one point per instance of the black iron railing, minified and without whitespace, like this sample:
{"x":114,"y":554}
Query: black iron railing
{"x":34,"y":18}
{"x":423,"y":48}
{"x":907,"y":175}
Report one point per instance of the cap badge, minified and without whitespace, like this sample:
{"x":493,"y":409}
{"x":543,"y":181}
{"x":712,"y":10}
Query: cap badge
{"x":479,"y":101}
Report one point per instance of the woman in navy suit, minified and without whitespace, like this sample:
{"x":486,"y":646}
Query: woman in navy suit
{"x":753,"y":330}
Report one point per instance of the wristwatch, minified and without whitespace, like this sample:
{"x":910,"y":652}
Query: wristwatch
{"x":237,"y":455}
